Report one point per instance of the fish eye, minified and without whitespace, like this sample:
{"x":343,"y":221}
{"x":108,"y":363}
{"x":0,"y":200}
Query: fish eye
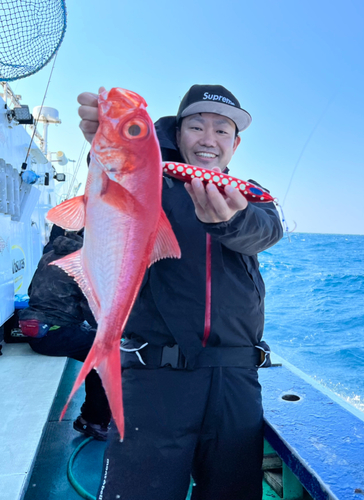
{"x":135,"y":129}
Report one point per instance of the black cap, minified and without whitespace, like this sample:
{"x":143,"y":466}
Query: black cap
{"x":213,"y":99}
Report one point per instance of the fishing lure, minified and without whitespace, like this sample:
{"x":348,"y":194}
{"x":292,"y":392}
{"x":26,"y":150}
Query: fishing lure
{"x":252,"y":193}
{"x":186,"y":173}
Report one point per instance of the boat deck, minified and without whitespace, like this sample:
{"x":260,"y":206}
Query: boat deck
{"x":318,"y":436}
{"x":36,"y":445}
{"x":315,"y":436}
{"x":28,"y":385}
{"x":48,"y":479}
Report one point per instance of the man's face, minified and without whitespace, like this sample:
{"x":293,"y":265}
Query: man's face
{"x":207,"y":140}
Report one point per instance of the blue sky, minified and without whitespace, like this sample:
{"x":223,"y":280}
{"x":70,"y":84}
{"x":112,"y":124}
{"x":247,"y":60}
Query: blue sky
{"x":296,"y":66}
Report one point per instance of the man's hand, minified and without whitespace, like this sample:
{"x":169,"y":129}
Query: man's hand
{"x":89,"y":114}
{"x":210,"y":205}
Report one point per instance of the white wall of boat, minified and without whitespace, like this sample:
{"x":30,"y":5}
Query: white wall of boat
{"x":24,"y":229}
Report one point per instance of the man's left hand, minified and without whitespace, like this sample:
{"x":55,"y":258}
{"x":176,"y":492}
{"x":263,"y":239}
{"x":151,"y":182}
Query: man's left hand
{"x":211,"y":206}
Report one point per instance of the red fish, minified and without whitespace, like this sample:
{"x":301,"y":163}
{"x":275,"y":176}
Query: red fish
{"x":126,"y":230}
{"x":186,"y":173}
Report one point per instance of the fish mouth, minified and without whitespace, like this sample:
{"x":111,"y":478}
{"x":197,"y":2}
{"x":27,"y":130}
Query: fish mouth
{"x":118,"y":101}
{"x":115,"y":176}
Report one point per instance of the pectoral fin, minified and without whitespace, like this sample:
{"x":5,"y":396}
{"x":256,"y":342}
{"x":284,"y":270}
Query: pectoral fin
{"x":166,"y":244}
{"x":70,"y":214}
{"x":71,"y":264}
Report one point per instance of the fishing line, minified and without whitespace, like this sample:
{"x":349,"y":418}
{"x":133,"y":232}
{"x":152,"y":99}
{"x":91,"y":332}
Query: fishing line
{"x":24,"y":166}
{"x":306,"y":144}
{"x":82,"y":152}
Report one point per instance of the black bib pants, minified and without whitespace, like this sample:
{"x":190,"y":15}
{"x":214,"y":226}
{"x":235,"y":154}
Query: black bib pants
{"x":206,"y":422}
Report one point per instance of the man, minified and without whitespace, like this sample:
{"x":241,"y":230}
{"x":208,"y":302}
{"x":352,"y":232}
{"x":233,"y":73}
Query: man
{"x":192,"y":399}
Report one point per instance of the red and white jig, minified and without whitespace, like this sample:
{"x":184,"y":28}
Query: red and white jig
{"x":186,"y":173}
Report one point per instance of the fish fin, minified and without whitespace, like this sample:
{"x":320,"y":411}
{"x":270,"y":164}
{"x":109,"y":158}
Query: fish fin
{"x":117,"y":196}
{"x":107,"y":364}
{"x":109,"y":371}
{"x":71,"y":264}
{"x":70,"y":214}
{"x":166,"y":244}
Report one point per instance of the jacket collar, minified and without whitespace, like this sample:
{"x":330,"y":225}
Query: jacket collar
{"x":166,"y":133}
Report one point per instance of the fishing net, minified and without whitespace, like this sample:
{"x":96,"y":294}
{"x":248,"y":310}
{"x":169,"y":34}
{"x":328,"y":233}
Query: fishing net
{"x":31,"y":32}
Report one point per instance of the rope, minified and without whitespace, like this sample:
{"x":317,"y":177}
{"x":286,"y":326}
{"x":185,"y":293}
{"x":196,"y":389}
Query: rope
{"x":40,"y":112}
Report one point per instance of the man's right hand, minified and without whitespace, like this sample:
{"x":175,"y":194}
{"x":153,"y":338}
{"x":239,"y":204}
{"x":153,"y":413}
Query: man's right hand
{"x":89,"y":114}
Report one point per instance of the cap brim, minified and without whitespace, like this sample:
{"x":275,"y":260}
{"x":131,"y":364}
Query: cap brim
{"x":239,"y":116}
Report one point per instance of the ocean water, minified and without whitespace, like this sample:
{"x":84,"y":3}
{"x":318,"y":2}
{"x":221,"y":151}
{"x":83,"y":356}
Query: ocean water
{"x":315,"y":308}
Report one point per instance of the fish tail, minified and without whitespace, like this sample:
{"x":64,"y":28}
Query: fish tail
{"x":107,"y":364}
{"x":110,"y":373}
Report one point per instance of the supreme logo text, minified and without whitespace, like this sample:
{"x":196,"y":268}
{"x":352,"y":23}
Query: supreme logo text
{"x":215,"y":97}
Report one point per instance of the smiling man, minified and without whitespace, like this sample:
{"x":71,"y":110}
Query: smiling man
{"x":193,"y":342}
{"x":208,"y":123}
{"x":207,"y":140}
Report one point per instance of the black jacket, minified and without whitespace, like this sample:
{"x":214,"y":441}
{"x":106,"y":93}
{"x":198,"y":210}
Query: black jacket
{"x":54,"y":297}
{"x":170,"y":306}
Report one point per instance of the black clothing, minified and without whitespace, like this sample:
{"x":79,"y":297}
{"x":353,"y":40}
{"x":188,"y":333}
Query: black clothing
{"x":54,"y":297}
{"x":55,"y":232}
{"x":74,"y":341}
{"x":207,"y":423}
{"x":166,"y":132}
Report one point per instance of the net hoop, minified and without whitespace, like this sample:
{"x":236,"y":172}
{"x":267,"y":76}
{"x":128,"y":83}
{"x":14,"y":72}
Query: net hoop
{"x":31,"y":32}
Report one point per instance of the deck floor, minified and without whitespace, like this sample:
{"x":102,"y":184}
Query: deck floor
{"x":49,"y":480}
{"x":28,"y":385}
{"x":48,"y":477}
